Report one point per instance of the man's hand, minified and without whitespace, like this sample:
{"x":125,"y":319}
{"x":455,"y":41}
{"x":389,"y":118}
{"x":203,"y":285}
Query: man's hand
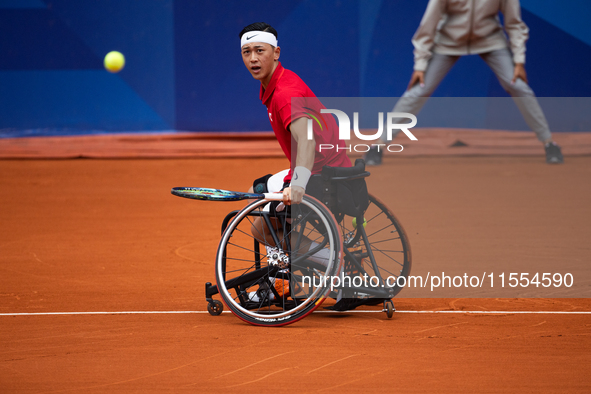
{"x":293,"y":195}
{"x":417,"y":77}
{"x":519,"y":72}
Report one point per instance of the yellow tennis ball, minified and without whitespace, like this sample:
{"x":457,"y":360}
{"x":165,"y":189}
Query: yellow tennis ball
{"x":114,"y":61}
{"x":354,"y":222}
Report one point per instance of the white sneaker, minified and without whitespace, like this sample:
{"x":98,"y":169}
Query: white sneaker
{"x":254,"y":296}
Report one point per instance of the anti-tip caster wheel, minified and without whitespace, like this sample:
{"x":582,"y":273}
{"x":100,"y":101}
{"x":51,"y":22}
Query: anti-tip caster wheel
{"x":215,"y":307}
{"x":389,"y":308}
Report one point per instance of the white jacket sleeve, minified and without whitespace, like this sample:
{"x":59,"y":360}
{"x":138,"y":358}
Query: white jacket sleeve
{"x":516,"y":29}
{"x":425,"y":34}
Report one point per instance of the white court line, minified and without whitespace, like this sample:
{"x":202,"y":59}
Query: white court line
{"x":324,"y":311}
{"x":504,"y":312}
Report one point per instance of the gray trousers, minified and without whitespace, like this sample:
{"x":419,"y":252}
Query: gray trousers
{"x":501,"y":63}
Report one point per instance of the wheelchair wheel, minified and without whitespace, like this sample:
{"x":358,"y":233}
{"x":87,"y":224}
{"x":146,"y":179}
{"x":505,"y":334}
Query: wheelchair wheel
{"x":215,"y":308}
{"x":389,"y":246}
{"x":274,"y":278}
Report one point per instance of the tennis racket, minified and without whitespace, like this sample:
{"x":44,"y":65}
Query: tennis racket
{"x":201,"y":193}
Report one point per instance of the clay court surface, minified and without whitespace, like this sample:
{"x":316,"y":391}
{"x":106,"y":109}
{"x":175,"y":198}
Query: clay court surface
{"x":91,"y":235}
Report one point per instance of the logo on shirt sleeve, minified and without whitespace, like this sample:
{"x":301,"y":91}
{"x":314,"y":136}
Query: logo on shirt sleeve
{"x":270,"y":117}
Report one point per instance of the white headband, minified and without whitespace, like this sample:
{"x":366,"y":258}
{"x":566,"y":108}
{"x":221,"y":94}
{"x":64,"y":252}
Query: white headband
{"x":258,"y":36}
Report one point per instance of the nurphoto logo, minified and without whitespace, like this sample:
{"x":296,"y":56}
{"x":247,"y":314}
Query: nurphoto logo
{"x":345,"y":130}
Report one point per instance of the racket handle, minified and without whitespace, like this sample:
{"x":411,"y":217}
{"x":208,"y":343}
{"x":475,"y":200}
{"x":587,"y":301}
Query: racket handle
{"x":273,"y":196}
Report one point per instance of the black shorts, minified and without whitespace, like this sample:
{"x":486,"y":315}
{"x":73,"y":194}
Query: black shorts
{"x":260,"y":184}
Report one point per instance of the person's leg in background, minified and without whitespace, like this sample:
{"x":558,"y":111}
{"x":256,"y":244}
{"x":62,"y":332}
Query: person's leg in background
{"x":501,"y":62}
{"x":415,"y":98}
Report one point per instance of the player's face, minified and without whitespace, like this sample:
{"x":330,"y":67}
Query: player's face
{"x":260,"y":59}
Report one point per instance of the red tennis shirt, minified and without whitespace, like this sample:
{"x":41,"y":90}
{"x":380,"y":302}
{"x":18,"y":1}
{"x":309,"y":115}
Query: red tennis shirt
{"x":284,"y":86}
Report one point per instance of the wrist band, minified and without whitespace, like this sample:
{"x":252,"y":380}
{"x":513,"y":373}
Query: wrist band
{"x":300,"y":177}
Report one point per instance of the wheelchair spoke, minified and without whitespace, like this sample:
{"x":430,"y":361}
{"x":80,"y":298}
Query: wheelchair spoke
{"x":386,"y":251}
{"x":242,"y":270}
{"x":264,"y":287}
{"x":391,"y":259}
{"x":386,"y":240}
{"x":380,"y":230}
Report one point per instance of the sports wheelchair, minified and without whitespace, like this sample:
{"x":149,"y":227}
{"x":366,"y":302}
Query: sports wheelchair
{"x":277,"y":274}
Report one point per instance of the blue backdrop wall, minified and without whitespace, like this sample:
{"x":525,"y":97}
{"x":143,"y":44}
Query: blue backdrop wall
{"x":184,"y":70}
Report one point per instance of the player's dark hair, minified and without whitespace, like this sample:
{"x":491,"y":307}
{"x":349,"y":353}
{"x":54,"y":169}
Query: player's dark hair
{"x":259,"y":26}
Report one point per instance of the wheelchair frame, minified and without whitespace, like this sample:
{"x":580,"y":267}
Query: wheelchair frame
{"x":358,"y":256}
